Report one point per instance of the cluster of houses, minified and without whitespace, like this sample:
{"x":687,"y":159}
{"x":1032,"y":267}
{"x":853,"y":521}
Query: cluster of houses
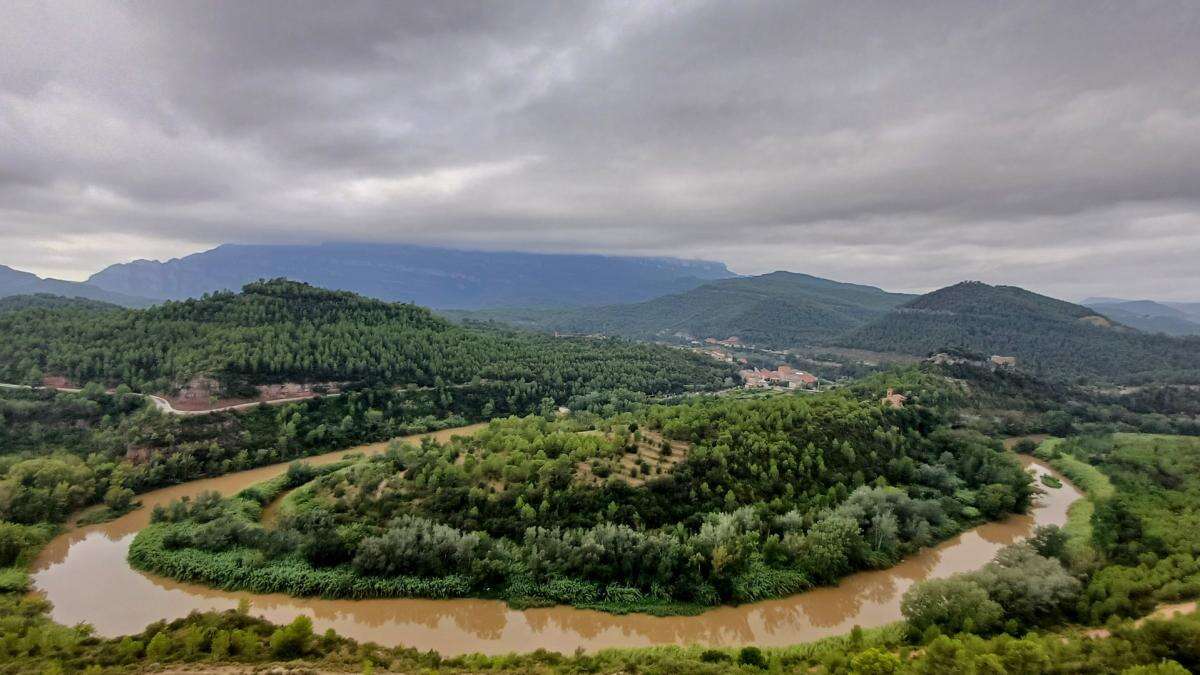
{"x":784,"y":377}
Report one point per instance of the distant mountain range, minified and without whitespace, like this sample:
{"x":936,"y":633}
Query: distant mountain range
{"x":1172,"y":318}
{"x":435,"y":277}
{"x":681,"y":300}
{"x":781,"y":309}
{"x":16,"y":282}
{"x":1053,"y":337}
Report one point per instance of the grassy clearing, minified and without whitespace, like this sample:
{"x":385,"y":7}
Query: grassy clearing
{"x":1079,"y":530}
{"x":1085,"y":476}
{"x":1095,"y":486}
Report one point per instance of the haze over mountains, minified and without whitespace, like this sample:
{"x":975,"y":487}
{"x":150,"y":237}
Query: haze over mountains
{"x":442,"y":278}
{"x":1172,"y":318}
{"x":15,"y":282}
{"x":779,"y":310}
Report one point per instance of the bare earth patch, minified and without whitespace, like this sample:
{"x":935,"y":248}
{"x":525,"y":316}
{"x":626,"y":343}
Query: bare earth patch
{"x":628,"y":467}
{"x":202,"y":394}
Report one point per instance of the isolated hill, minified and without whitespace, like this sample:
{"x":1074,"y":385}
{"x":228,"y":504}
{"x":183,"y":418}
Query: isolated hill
{"x":1050,"y":336}
{"x":1148,"y":316}
{"x":433,"y":277}
{"x":781,"y":309}
{"x":16,"y":282}
{"x":283,"y":331}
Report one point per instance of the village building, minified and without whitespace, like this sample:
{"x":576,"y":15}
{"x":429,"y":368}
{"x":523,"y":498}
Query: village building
{"x":783,"y":377}
{"x":1004,"y":361}
{"x":893,"y":399}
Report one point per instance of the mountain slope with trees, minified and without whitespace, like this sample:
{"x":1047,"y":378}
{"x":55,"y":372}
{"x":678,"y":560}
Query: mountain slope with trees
{"x":780,"y":310}
{"x":14,"y":303}
{"x":1048,"y":336}
{"x":282,"y":331}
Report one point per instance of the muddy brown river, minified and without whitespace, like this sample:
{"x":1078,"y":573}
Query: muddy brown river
{"x":85,"y":575}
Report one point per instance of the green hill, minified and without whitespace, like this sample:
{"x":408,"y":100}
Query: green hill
{"x":1052,"y":337}
{"x":281,"y":331}
{"x":781,"y":309}
{"x":14,"y":303}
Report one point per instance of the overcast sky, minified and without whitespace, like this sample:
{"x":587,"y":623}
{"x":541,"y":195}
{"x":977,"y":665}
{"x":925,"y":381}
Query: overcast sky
{"x":1053,"y":145}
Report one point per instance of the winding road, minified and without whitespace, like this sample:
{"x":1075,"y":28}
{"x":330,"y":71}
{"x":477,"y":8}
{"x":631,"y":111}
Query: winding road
{"x":165,"y":406}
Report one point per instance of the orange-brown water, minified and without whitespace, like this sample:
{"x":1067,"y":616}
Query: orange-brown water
{"x":85,"y":575}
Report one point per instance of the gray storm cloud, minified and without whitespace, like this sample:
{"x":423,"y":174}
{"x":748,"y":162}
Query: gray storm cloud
{"x":910,"y":145}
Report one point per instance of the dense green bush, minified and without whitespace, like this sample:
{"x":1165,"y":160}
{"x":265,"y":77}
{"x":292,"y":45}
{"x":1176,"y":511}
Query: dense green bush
{"x":1018,"y":590}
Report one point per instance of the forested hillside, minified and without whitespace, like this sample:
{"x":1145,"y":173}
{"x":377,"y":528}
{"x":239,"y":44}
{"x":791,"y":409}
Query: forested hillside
{"x":1049,"y":337}
{"x":13,"y":303}
{"x":780,"y":310}
{"x":286,"y":331}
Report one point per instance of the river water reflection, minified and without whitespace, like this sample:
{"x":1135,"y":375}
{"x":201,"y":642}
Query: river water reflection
{"x":85,"y":575}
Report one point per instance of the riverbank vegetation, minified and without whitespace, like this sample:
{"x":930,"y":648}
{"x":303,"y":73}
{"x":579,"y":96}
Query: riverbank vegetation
{"x":754,"y":498}
{"x":234,"y":641}
{"x":1145,"y":546}
{"x":1134,"y":547}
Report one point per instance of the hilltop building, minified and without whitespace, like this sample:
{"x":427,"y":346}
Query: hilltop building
{"x":893,"y":399}
{"x":784,"y":377}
